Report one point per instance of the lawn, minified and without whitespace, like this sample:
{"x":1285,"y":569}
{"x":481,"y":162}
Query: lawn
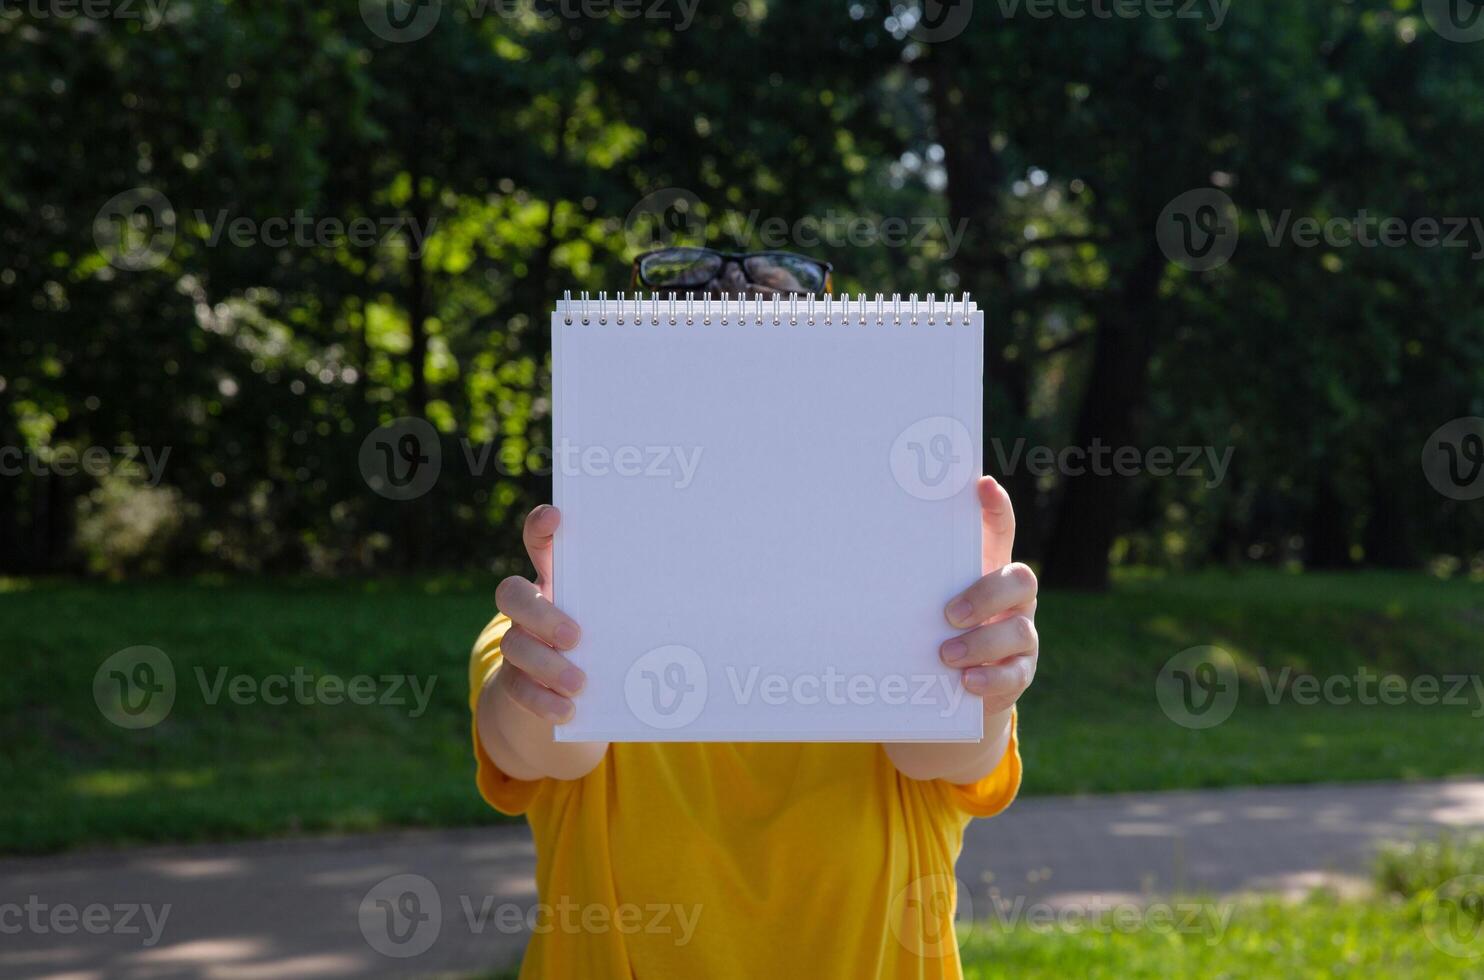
{"x":220,"y":767}
{"x":1260,"y":939}
{"x":1319,"y":937}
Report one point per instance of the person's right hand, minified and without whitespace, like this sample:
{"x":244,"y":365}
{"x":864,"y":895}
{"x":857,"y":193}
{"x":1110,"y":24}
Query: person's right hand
{"x":535,"y":674}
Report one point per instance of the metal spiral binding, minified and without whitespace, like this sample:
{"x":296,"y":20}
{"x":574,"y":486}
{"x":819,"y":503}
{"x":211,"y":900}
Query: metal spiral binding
{"x":759,"y":311}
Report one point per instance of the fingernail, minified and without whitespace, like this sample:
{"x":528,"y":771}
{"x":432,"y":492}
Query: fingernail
{"x":976,"y":678}
{"x":954,"y":650}
{"x":960,"y":611}
{"x":571,"y":680}
{"x":567,"y":635}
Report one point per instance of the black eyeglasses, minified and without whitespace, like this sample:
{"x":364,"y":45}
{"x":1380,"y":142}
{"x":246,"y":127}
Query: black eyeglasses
{"x":685,"y":267}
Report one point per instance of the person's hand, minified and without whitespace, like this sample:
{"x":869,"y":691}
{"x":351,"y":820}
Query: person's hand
{"x":998,"y":652}
{"x":535,"y":674}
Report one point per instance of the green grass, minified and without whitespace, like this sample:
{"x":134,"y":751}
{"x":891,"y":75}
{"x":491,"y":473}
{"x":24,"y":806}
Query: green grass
{"x":1092,"y":722}
{"x":1319,"y":937}
{"x":1262,"y":938}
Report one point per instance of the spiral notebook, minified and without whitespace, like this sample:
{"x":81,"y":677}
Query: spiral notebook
{"x":766,"y":504}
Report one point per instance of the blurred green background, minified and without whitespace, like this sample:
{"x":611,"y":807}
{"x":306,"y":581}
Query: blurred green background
{"x":237,"y":238}
{"x":323,"y":229}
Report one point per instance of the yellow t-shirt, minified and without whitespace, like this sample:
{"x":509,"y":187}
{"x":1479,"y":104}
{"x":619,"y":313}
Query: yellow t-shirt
{"x":714,"y":861}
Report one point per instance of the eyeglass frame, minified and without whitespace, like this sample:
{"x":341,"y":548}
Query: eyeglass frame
{"x":636,"y":277}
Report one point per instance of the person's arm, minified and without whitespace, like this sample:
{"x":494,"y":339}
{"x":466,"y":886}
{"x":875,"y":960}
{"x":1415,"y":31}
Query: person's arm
{"x":997,"y":654}
{"x":532,"y":688}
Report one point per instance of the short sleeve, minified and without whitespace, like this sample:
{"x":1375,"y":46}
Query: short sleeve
{"x":501,"y":791}
{"x":995,"y":791}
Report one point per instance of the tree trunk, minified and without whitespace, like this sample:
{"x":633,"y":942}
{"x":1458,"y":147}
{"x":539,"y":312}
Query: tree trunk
{"x":1326,"y":536}
{"x":976,"y":174}
{"x":1087,"y":511}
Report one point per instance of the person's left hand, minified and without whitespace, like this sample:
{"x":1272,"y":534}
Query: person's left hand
{"x":998,"y":653}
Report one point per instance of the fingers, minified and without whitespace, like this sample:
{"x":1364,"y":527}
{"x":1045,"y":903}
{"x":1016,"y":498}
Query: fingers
{"x":543,"y":664}
{"x":1003,"y":589}
{"x":991,"y":644}
{"x":519,"y":599}
{"x":998,"y":517}
{"x":1001,"y":684}
{"x":540,"y":701}
{"x":540,"y":528}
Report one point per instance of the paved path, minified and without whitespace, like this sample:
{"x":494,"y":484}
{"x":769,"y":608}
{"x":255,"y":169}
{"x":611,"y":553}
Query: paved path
{"x":309,"y":908}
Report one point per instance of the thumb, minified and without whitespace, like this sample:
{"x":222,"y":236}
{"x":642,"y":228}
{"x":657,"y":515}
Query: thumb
{"x":998,"y":517}
{"x":540,"y":529}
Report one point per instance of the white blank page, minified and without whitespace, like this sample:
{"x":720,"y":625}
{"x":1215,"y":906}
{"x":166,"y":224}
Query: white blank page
{"x":761,"y":525}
